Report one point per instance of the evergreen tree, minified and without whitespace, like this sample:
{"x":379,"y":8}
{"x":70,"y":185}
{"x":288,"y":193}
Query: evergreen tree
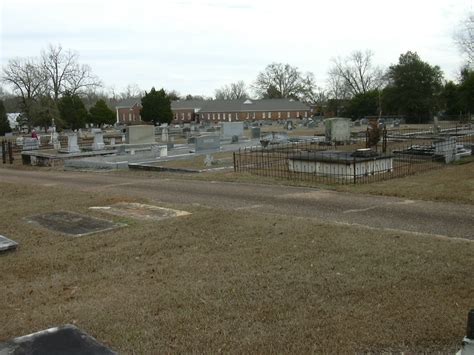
{"x":72,"y":111}
{"x":4,"y":124}
{"x":414,"y":88}
{"x":156,"y":107}
{"x":101,"y":114}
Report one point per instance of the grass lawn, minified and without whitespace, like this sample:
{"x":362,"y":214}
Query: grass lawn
{"x":230,"y":281}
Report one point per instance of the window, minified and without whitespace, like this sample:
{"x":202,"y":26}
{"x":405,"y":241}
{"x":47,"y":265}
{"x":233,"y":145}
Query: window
{"x":189,"y":115}
{"x":182,"y":115}
{"x":230,"y":116}
{"x":269,"y":115}
{"x":214,"y":116}
{"x":297,"y":114}
{"x":263,"y":115}
{"x":279,"y":114}
{"x":253,"y":115}
{"x":236,"y":116}
{"x":209,"y":116}
{"x":306,"y":114}
{"x":219,"y":116}
{"x":248,"y":115}
{"x":288,"y":114}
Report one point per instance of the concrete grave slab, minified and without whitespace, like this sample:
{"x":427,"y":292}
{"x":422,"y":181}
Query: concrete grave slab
{"x":141,"y":211}
{"x":7,"y":244}
{"x":63,"y":340}
{"x":73,"y":224}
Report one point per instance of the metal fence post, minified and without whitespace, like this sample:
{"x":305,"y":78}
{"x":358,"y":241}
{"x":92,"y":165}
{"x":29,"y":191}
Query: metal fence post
{"x":4,"y":152}
{"x":10,"y":152}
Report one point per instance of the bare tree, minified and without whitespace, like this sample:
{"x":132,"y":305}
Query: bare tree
{"x":357,"y":73}
{"x":234,"y":91}
{"x":465,"y":38}
{"x":25,"y":77}
{"x":132,"y":91}
{"x":283,"y":81}
{"x":65,"y":73}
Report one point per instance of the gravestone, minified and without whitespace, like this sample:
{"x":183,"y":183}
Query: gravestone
{"x":255,"y":132}
{"x":98,"y":140}
{"x":164,"y":132}
{"x":446,"y":148}
{"x":112,"y":141}
{"x":230,"y":129}
{"x":30,"y":144}
{"x":141,"y":134}
{"x":63,"y":340}
{"x":55,"y":140}
{"x":140,"y":211}
{"x":337,"y":129}
{"x":204,"y":143}
{"x":19,"y":141}
{"x":235,"y":139}
{"x":72,"y":224}
{"x":7,"y":244}
{"x":72,"y":146}
{"x":209,"y":160}
{"x":163,"y":151}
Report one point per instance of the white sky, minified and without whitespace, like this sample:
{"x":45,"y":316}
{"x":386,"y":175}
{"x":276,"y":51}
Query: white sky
{"x":196,"y":46}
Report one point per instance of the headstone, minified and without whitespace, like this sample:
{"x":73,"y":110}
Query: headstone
{"x":230,"y":129}
{"x":446,"y":148}
{"x":19,"y":141}
{"x":235,"y":139}
{"x":164,"y":132}
{"x":66,"y":339}
{"x":142,"y":134}
{"x":7,"y":244}
{"x":30,"y":144}
{"x":337,"y":129}
{"x":204,"y":143}
{"x":208,"y":160}
{"x":72,"y":146}
{"x":364,"y":121}
{"x":112,"y":141}
{"x":98,"y":140}
{"x":255,"y":132}
{"x":163,"y":151}
{"x":436,"y":129}
{"x":396,"y":123}
{"x":55,"y":140}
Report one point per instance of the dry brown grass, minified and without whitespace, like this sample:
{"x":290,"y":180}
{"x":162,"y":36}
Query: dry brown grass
{"x":233,"y":281}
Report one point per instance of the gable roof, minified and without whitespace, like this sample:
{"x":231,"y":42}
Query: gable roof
{"x":243,"y":105}
{"x":127,"y":103}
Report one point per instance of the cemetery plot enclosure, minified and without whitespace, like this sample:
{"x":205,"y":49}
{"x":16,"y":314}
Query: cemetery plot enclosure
{"x":352,"y":164}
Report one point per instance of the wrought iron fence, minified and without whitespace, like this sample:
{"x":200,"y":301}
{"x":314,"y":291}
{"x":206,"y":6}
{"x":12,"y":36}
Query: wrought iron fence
{"x":351,"y":164}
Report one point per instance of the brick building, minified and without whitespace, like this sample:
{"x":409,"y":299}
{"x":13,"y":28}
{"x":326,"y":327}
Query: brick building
{"x":128,"y":112}
{"x":221,"y":110}
{"x":238,"y":110}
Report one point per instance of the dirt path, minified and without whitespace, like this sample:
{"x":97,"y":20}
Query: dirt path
{"x":436,"y":218}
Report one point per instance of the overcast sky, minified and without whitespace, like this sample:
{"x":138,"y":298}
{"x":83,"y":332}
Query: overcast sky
{"x":197,"y":46}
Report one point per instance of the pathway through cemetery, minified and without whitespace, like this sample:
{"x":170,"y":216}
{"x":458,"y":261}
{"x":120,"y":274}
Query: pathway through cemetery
{"x":436,"y":218}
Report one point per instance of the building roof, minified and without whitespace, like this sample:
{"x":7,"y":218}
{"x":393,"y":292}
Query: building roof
{"x":243,"y":105}
{"x":128,"y":103}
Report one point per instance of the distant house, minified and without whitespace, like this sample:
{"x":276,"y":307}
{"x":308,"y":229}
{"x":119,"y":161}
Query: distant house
{"x":238,"y":110}
{"x":13,"y":119}
{"x":128,"y":111}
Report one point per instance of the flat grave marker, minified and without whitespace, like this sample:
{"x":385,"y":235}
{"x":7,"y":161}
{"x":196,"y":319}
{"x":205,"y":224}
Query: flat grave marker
{"x":141,"y":211}
{"x":73,"y":224}
{"x":63,"y":340}
{"x":7,"y":244}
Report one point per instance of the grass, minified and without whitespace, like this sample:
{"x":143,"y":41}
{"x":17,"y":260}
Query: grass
{"x":231,"y":281}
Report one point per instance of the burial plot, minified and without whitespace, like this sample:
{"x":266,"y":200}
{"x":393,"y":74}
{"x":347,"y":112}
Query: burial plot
{"x":7,"y":244}
{"x":141,"y":211}
{"x":63,"y":340}
{"x":73,"y":224}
